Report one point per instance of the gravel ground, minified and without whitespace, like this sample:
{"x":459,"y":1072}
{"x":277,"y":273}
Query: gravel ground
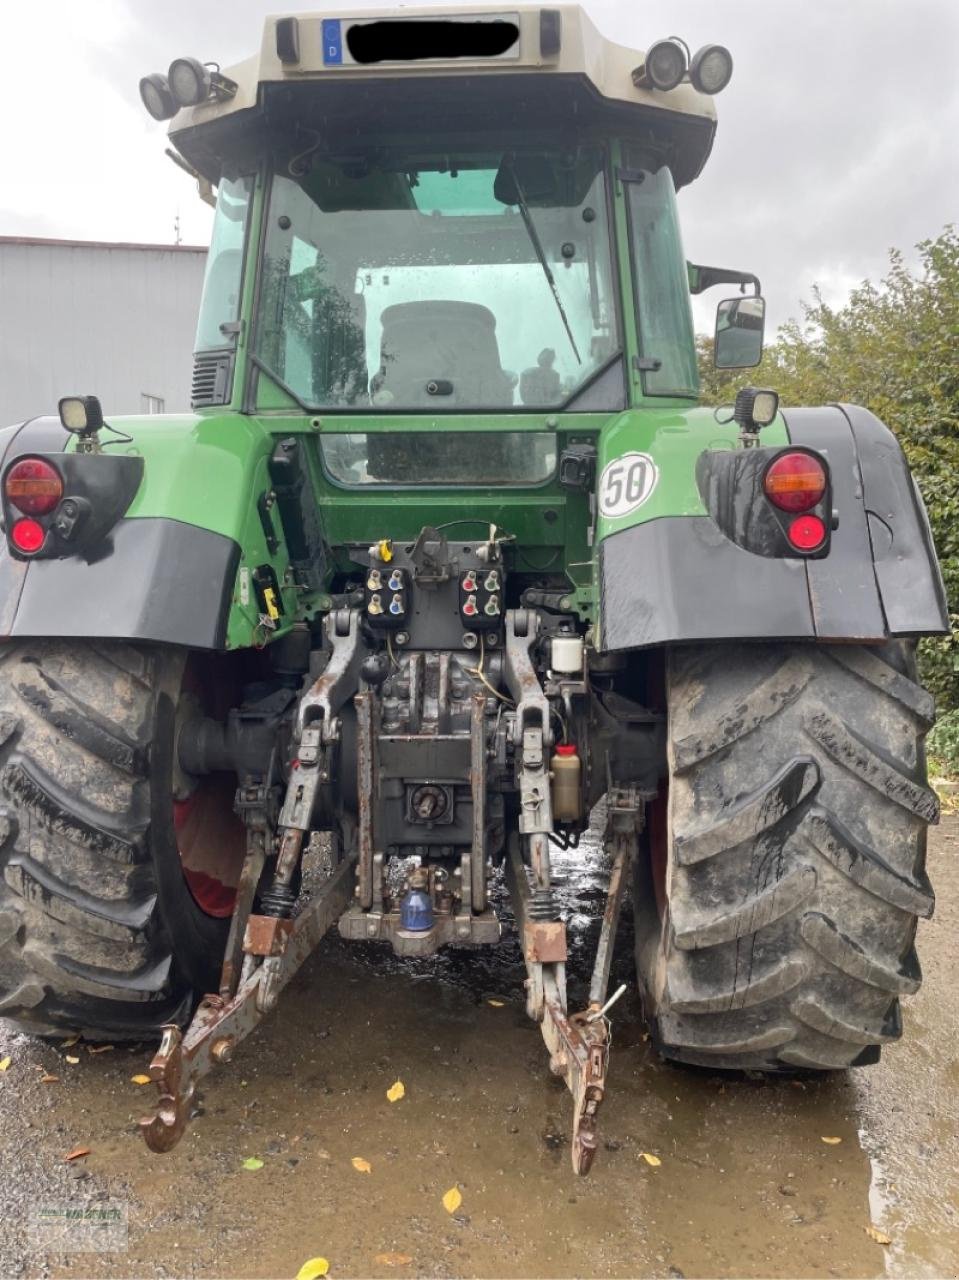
{"x":745,"y":1185}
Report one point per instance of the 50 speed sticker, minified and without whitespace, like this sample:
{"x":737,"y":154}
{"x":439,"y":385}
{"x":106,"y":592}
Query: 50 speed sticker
{"x":626,"y":483}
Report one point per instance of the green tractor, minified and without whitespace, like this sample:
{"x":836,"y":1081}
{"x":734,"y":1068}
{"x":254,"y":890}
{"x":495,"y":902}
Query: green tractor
{"x":448,"y":558}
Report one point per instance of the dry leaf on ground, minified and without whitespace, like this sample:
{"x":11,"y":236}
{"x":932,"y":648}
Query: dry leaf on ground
{"x":497,"y":1004}
{"x":452,"y":1200}
{"x":100,"y":1048}
{"x":4,"y":1063}
{"x":47,"y":1078}
{"x":252,"y":1163}
{"x":77,"y":1153}
{"x":880,"y":1237}
{"x":361,"y":1165}
{"x":396,"y":1091}
{"x":313,"y":1269}
{"x":70,"y":1042}
{"x":74,"y":1061}
{"x":140,"y":1079}
{"x":832,"y":1142}
{"x":651,"y":1159}
{"x":393,"y":1259}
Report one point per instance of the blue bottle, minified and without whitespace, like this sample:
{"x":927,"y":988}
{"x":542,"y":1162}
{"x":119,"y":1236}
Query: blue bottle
{"x":416,"y":912}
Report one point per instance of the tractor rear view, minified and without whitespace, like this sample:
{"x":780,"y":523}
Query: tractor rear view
{"x":448,"y":558}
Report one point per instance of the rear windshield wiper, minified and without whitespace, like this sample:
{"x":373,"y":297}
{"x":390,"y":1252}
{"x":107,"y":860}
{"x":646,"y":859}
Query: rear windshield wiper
{"x":547,"y":271}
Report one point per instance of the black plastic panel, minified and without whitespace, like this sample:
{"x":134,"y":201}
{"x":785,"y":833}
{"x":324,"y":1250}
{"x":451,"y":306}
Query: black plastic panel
{"x":157,"y":580}
{"x":679,"y":578}
{"x":907,"y":571}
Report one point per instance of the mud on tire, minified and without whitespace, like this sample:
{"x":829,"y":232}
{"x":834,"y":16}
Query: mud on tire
{"x":98,"y":932}
{"x":794,"y":871}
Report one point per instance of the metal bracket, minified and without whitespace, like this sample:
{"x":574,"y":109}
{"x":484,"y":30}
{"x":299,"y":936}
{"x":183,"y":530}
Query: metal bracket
{"x":338,"y":681}
{"x":255,"y":806}
{"x":532,"y":733}
{"x":578,"y":1044}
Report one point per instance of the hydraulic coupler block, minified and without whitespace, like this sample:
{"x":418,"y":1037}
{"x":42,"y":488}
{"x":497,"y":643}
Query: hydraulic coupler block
{"x":481,"y":599}
{"x":386,"y":596}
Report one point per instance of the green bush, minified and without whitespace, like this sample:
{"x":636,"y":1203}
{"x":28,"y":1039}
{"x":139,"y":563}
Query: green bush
{"x":942,"y":745}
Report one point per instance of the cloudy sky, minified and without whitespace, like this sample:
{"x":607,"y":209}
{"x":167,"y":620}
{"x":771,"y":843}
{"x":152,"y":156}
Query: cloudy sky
{"x":837,"y":135}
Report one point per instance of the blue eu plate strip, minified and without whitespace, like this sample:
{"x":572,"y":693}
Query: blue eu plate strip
{"x":332,"y":43}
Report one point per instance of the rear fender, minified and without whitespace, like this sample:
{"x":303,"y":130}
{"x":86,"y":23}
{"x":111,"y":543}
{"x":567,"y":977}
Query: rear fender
{"x":674,"y":577}
{"x":177,"y":560}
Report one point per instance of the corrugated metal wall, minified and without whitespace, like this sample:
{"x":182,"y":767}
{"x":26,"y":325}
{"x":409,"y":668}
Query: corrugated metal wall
{"x":116,"y":321}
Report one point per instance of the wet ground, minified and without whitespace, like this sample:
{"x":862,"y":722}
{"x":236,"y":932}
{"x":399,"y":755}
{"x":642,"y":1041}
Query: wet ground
{"x":745,"y":1184}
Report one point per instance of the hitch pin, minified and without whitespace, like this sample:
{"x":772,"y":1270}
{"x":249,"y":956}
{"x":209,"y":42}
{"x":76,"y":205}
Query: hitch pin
{"x":601,"y":1013}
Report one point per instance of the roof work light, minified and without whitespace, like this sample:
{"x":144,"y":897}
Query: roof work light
{"x":664,"y":68}
{"x":711,"y":68}
{"x":190,"y":81}
{"x":668,"y":64}
{"x":157,"y":98}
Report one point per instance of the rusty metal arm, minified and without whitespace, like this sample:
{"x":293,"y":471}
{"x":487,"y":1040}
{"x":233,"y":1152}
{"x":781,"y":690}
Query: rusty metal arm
{"x":219,"y":1025}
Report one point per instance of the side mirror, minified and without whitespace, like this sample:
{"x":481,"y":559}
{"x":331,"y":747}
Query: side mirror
{"x":739,"y":333}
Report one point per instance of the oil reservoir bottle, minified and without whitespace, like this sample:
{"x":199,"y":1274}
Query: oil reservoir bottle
{"x":567,"y":770}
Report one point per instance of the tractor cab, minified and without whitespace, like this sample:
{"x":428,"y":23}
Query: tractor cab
{"x":445,"y":215}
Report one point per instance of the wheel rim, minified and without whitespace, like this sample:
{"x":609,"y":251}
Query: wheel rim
{"x":210,"y":838}
{"x":210,"y":841}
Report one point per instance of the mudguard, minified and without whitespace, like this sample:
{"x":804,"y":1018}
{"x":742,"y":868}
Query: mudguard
{"x":152,"y":579}
{"x":681,"y":578}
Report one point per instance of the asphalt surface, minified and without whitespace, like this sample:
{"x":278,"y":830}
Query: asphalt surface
{"x":745,"y":1184}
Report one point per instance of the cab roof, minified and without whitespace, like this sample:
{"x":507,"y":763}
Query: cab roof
{"x":520,"y":67}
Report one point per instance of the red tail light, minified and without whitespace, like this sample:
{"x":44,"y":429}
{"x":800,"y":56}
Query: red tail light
{"x":807,"y":533}
{"x":28,"y":536}
{"x":33,"y":487}
{"x":795,"y":482}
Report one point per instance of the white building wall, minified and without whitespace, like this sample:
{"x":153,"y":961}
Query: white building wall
{"x":112,"y":320}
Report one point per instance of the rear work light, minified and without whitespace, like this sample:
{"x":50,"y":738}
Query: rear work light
{"x":28,"y":536}
{"x":795,"y":482}
{"x":33,"y":487}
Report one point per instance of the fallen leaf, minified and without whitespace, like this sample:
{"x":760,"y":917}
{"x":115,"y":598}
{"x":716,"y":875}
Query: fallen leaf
{"x":77,"y":1154}
{"x":4,"y":1063}
{"x":46,"y":1078}
{"x":393,"y":1259}
{"x":452,"y":1200}
{"x":99,"y":1048}
{"x":880,"y":1237}
{"x":252,"y":1163}
{"x":69,"y":1059}
{"x":497,"y":1004}
{"x":651,"y":1159}
{"x":832,"y":1141}
{"x":313,"y":1269}
{"x":70,"y":1042}
{"x":396,"y":1091}
{"x":361,"y":1165}
{"x":140,"y":1079}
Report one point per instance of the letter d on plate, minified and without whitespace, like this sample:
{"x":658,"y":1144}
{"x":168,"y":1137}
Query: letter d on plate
{"x":626,"y":483}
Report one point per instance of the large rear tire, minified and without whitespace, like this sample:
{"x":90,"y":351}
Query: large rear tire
{"x":777,"y":911}
{"x":99,"y":931}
